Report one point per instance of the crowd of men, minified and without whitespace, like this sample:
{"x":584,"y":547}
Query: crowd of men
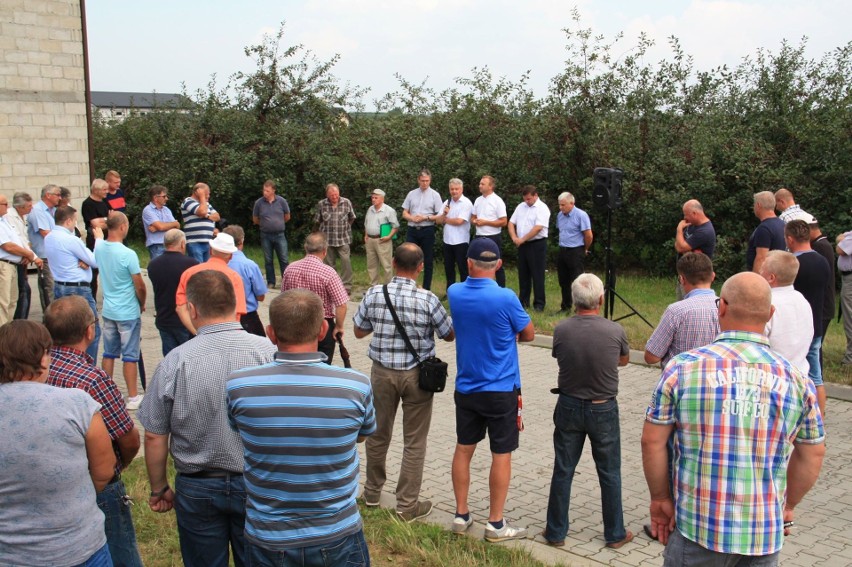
{"x":265,"y":476}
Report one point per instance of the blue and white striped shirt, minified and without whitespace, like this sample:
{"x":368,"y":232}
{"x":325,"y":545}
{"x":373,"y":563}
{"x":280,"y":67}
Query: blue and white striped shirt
{"x":197,"y":229}
{"x":299,"y":420}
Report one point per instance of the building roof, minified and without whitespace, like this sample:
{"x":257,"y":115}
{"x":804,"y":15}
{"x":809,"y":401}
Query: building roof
{"x":106,"y":99}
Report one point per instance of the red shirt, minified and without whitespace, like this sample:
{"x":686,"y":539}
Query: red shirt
{"x":72,"y":368}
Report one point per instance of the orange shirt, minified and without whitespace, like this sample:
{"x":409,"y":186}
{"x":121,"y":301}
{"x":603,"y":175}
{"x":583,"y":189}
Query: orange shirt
{"x":220,"y":266}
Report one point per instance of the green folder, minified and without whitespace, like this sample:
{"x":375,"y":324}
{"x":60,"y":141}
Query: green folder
{"x":385,"y":230}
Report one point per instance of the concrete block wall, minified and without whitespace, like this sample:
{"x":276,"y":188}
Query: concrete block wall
{"x":43,"y":137}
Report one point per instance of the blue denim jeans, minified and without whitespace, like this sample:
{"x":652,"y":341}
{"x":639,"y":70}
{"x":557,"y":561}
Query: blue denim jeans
{"x":198,"y":250}
{"x":85,"y":293}
{"x":815,"y":372}
{"x":277,"y":242}
{"x":173,"y":337}
{"x":123,"y":338}
{"x":682,"y":552}
{"x":211,"y":512}
{"x":118,"y":525}
{"x":574,"y":420}
{"x":156,"y":250}
{"x":100,"y":558}
{"x":350,"y":551}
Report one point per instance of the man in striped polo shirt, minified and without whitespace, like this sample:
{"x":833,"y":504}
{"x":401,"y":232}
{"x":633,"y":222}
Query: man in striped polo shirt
{"x":199,"y":222}
{"x":300,"y":420}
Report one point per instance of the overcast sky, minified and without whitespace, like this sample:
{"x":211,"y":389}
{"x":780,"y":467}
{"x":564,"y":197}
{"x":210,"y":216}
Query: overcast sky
{"x":159,"y":44}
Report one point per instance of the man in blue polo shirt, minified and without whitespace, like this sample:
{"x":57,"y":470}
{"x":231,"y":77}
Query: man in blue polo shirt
{"x":39,"y":224}
{"x":489,"y":322}
{"x":253,"y":284}
{"x":301,"y":459}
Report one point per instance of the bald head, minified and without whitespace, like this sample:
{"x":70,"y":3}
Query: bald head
{"x":746,"y":303}
{"x":693,"y":205}
{"x":783,"y":199}
{"x":693,"y":213}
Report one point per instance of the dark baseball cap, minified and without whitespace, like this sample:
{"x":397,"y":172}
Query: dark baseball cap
{"x":484,"y":250}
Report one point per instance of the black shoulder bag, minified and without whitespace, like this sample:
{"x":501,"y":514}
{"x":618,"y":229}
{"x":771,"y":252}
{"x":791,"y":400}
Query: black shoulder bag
{"x":433,"y":370}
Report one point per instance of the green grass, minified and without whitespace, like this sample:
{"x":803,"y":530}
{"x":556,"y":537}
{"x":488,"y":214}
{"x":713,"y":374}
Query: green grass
{"x":391,"y":542}
{"x":648,"y":295}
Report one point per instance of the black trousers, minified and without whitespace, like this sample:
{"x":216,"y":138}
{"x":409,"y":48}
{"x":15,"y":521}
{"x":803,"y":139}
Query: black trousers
{"x":569,"y":266}
{"x":532,"y":261}
{"x":251,"y":323}
{"x":424,"y":237}
{"x":327,"y":345}
{"x":22,"y":311}
{"x":455,"y":256}
{"x":500,"y":276}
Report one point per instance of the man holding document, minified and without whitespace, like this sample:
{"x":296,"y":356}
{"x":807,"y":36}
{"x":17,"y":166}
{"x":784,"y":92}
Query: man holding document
{"x":380,"y":227}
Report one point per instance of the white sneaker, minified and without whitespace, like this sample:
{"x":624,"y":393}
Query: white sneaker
{"x":460,"y":525}
{"x":134,"y":402}
{"x":507,"y":532}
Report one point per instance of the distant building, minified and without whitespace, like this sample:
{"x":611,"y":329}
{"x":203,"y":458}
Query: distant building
{"x":116,"y":106}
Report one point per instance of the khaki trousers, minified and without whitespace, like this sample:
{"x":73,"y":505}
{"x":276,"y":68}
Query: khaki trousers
{"x":379,"y":253}
{"x":846,"y":305}
{"x":389,"y":387}
{"x":8,"y":291}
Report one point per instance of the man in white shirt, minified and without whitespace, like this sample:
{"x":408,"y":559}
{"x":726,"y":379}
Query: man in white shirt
{"x":528,"y":230}
{"x":456,"y":221}
{"x":13,"y":252}
{"x":790,"y":329}
{"x":22,"y":204}
{"x":489,"y":217}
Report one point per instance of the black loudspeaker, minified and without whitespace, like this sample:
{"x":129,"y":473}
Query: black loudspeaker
{"x":606,"y":192}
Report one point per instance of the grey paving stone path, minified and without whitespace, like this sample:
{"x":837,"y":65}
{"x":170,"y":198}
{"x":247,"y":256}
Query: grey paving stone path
{"x":823,"y":523}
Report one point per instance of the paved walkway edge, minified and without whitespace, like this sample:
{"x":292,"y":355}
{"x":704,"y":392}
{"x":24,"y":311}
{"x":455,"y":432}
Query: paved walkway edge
{"x":834,"y":391}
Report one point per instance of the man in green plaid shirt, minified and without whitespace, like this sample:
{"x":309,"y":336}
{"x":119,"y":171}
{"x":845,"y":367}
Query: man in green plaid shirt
{"x":748,"y":440}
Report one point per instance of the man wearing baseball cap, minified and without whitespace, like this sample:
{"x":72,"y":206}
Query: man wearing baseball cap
{"x":488,"y":321}
{"x":221,"y":249}
{"x":380,"y":227}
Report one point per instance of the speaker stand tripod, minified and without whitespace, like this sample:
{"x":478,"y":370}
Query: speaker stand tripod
{"x":609,"y":285}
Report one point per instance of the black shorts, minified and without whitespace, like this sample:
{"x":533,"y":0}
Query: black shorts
{"x":496,"y":412}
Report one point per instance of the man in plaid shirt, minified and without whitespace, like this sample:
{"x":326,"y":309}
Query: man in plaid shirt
{"x":691,"y":322}
{"x":313,"y":274}
{"x":71,"y":324}
{"x":334,"y":218}
{"x":749,"y":440}
{"x":395,"y":376}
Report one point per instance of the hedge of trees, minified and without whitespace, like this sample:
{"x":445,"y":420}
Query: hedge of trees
{"x":777,"y":119}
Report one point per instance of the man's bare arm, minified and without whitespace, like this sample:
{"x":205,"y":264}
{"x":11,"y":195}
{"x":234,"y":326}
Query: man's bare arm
{"x":183,"y":314}
{"x":803,"y":471}
{"x":652,"y":358}
{"x":360,"y":333}
{"x":141,"y":290}
{"x":527,"y":333}
{"x":128,"y":446}
{"x":759,"y":258}
{"x":339,"y":320}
